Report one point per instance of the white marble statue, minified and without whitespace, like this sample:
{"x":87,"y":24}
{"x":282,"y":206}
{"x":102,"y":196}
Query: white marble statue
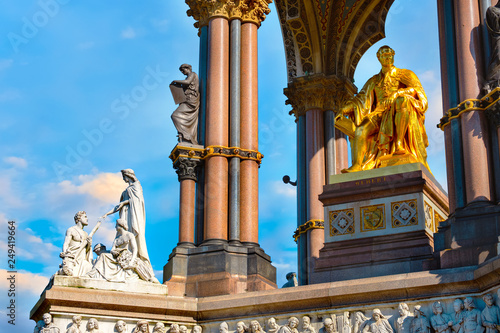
{"x":77,"y":248}
{"x":121,"y":326}
{"x":75,"y":326}
{"x":328,"y":326}
{"x":440,"y":322}
{"x":183,"y":329}
{"x":174,"y":328}
{"x":131,"y":210}
{"x":48,"y":325}
{"x":306,"y":325}
{"x":197,"y":329}
{"x":272,"y":326}
{"x":490,"y":316}
{"x":159,"y":328}
{"x":403,"y":322}
{"x":93,"y":326}
{"x":472,"y":318}
{"x":290,"y":327}
{"x":378,"y":324}
{"x":458,"y":316}
{"x":420,"y":323}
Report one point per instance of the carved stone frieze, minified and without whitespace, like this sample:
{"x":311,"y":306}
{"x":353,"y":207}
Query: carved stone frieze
{"x":318,"y":92}
{"x":202,"y":11}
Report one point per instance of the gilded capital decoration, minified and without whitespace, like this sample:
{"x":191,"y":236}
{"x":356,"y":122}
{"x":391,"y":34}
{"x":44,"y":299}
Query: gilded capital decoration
{"x":254,"y":11}
{"x":318,"y":91}
{"x":186,"y":168}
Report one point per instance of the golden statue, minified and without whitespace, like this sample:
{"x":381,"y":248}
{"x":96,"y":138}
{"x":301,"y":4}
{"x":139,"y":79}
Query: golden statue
{"x":385,"y":120}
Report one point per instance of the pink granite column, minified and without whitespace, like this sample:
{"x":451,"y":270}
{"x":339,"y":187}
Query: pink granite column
{"x":186,"y":212}
{"x":474,"y":127}
{"x":249,"y":186}
{"x":315,"y":157}
{"x":217,"y":128}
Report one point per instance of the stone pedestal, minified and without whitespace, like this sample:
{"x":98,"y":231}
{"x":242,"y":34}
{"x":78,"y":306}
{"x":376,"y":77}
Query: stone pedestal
{"x":218,"y":269}
{"x":380,"y":222}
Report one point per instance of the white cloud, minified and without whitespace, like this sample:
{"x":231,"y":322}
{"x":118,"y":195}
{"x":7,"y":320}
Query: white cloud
{"x":106,"y":187}
{"x":9,"y":95}
{"x":281,"y":189}
{"x":5,"y":63}
{"x":16,"y":161}
{"x":128,"y":33}
{"x":9,"y":196}
{"x":85,"y":45}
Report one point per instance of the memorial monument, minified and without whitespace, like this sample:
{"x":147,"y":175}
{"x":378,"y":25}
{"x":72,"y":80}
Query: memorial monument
{"x":383,"y":235}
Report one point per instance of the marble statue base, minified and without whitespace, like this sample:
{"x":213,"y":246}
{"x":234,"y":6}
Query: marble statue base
{"x":380,"y":222}
{"x":218,"y":269}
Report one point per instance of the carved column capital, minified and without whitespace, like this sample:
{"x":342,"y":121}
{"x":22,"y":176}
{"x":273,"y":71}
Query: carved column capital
{"x":246,"y":10}
{"x":318,"y":91}
{"x":186,"y":168}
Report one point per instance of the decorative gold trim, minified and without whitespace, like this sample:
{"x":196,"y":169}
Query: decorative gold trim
{"x":311,"y":224}
{"x":338,"y":230}
{"x":470,"y":105}
{"x":204,"y":153}
{"x":253,"y":11}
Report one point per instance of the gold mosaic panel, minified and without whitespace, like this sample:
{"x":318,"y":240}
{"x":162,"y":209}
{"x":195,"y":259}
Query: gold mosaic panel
{"x":342,"y":222}
{"x":429,"y":216}
{"x":372,"y":217}
{"x":437,"y":219}
{"x":404,"y":213}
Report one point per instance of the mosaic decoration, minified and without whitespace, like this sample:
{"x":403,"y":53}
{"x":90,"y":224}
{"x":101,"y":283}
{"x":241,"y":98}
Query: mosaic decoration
{"x":404,"y":213}
{"x":342,"y":222}
{"x":372,"y":217}
{"x":429,"y":217}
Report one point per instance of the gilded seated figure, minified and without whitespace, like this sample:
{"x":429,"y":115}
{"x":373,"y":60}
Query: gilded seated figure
{"x":386,"y":118}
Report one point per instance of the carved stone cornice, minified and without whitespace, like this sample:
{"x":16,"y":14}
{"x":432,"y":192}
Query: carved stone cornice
{"x":318,"y":91}
{"x":254,"y":11}
{"x":186,"y":168}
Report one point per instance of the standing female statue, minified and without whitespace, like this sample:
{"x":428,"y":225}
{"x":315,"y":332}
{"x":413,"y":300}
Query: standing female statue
{"x":185,"y":117}
{"x":131,"y":210}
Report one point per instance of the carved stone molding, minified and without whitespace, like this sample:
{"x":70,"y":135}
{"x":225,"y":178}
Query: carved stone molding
{"x":318,"y":92}
{"x":186,"y":168}
{"x":254,"y":11}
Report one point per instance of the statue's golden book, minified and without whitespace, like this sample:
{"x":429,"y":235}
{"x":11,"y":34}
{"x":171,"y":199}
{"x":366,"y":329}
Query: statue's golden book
{"x":345,"y":125}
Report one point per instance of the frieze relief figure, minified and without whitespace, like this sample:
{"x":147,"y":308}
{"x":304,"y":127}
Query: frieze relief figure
{"x":255,"y":327}
{"x":93,"y":326}
{"x":272,"y":326}
{"x":142,"y":326}
{"x":121,"y":326}
{"x":183,"y":329}
{"x":440,"y":322}
{"x":159,"y":328}
{"x":360,"y":321}
{"x":241,"y":327}
{"x":386,"y":118}
{"x":472,"y":318}
{"x":420,"y":323}
{"x":223,"y":328}
{"x":39,"y":325}
{"x":77,"y":248}
{"x":291,"y":326}
{"x":403,"y":322}
{"x":490,"y":316}
{"x":186,"y":94}
{"x":329,"y":326}
{"x":131,"y":210}
{"x":174,"y":328}
{"x":306,"y":325}
{"x":48,"y":326}
{"x":458,"y":316}
{"x":378,"y":324}
{"x":75,"y":325}
{"x":197,"y":329}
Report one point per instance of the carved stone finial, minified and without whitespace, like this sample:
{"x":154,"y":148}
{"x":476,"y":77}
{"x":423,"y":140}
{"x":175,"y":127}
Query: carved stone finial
{"x":246,"y":10}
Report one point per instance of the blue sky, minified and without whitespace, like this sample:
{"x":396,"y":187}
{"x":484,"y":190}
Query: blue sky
{"x":74,"y":110}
